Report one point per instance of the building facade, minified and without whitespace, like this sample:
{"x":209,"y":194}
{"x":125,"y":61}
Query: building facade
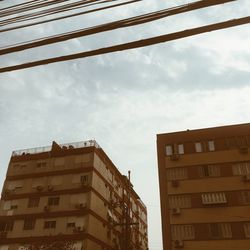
{"x":204,"y":178}
{"x":70,"y":193}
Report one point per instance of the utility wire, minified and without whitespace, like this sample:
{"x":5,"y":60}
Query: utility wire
{"x":69,"y":16}
{"x":113,"y":25}
{"x":22,"y":4}
{"x":46,"y":12}
{"x":27,"y":7}
{"x":133,"y":45}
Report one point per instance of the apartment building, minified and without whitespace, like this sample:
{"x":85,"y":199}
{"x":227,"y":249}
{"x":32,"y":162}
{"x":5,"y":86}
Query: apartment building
{"x":70,"y":193}
{"x":204,"y":178}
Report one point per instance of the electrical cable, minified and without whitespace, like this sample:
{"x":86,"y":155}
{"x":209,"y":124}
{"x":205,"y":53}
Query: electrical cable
{"x":149,"y":17}
{"x":30,"y":7}
{"x":46,"y":12}
{"x":132,"y":45}
{"x":68,"y":16}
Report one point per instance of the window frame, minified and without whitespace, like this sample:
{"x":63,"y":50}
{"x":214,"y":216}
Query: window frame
{"x":54,"y":201}
{"x":49,"y":224}
{"x":211,"y":145}
{"x":169,"y":150}
{"x":33,"y":202}
{"x":29,"y":224}
{"x":198,"y":147}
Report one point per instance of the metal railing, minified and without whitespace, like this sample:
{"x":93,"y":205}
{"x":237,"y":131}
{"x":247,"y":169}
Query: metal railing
{"x":82,"y":144}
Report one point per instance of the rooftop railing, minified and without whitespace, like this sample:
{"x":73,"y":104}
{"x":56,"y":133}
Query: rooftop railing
{"x":82,"y":144}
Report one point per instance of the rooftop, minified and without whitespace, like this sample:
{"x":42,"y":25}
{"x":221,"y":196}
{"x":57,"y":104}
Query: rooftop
{"x":81,"y":144}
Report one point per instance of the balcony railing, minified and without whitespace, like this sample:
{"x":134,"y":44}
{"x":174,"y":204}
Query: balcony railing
{"x":82,"y":144}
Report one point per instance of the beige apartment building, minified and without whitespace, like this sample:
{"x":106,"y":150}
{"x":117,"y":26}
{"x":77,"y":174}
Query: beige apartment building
{"x":204,"y":177}
{"x":71,"y":192}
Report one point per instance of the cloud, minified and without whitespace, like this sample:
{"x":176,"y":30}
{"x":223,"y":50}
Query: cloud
{"x":124,"y":99}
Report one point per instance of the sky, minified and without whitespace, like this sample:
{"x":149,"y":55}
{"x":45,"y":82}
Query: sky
{"x":123,"y":100}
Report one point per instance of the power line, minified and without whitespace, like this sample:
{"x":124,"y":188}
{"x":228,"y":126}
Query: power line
{"x":26,"y":7}
{"x":21,"y":4}
{"x":133,"y":45}
{"x":68,"y":16}
{"x":149,"y":17}
{"x":46,"y":12}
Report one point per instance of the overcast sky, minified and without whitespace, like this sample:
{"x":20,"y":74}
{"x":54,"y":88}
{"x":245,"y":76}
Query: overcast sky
{"x":124,"y":99}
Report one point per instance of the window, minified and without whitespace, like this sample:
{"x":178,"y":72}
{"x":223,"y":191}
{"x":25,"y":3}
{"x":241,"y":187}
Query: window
{"x":214,"y":198}
{"x":198,"y":147}
{"x":181,"y":149}
{"x":84,"y":179}
{"x":169,"y":150}
{"x":220,"y":230}
{"x":6,"y":226}
{"x":247,"y":230}
{"x":179,"y":201}
{"x":29,"y":224}
{"x":182,"y":232}
{"x":231,"y":142}
{"x":110,"y":175}
{"x":177,"y":174}
{"x":41,"y":164}
{"x":209,"y":171}
{"x":53,"y":201}
{"x":245,"y":197}
{"x":215,"y":231}
{"x":50,"y":224}
{"x":211,"y":146}
{"x":33,"y":202}
{"x":242,"y":168}
{"x":71,"y":224}
{"x":242,"y":141}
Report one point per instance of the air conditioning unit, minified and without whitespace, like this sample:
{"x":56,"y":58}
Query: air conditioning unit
{"x":46,"y":208}
{"x":79,"y":229}
{"x":243,"y":150}
{"x":81,"y":206}
{"x":7,"y":191}
{"x":39,"y":188}
{"x":176,"y":211}
{"x":246,"y":177}
{"x":178,"y":244}
{"x":50,"y":188}
{"x":175,"y":183}
{"x":174,"y":157}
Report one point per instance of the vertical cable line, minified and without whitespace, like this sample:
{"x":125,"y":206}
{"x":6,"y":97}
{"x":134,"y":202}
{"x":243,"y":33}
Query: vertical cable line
{"x":149,"y":17}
